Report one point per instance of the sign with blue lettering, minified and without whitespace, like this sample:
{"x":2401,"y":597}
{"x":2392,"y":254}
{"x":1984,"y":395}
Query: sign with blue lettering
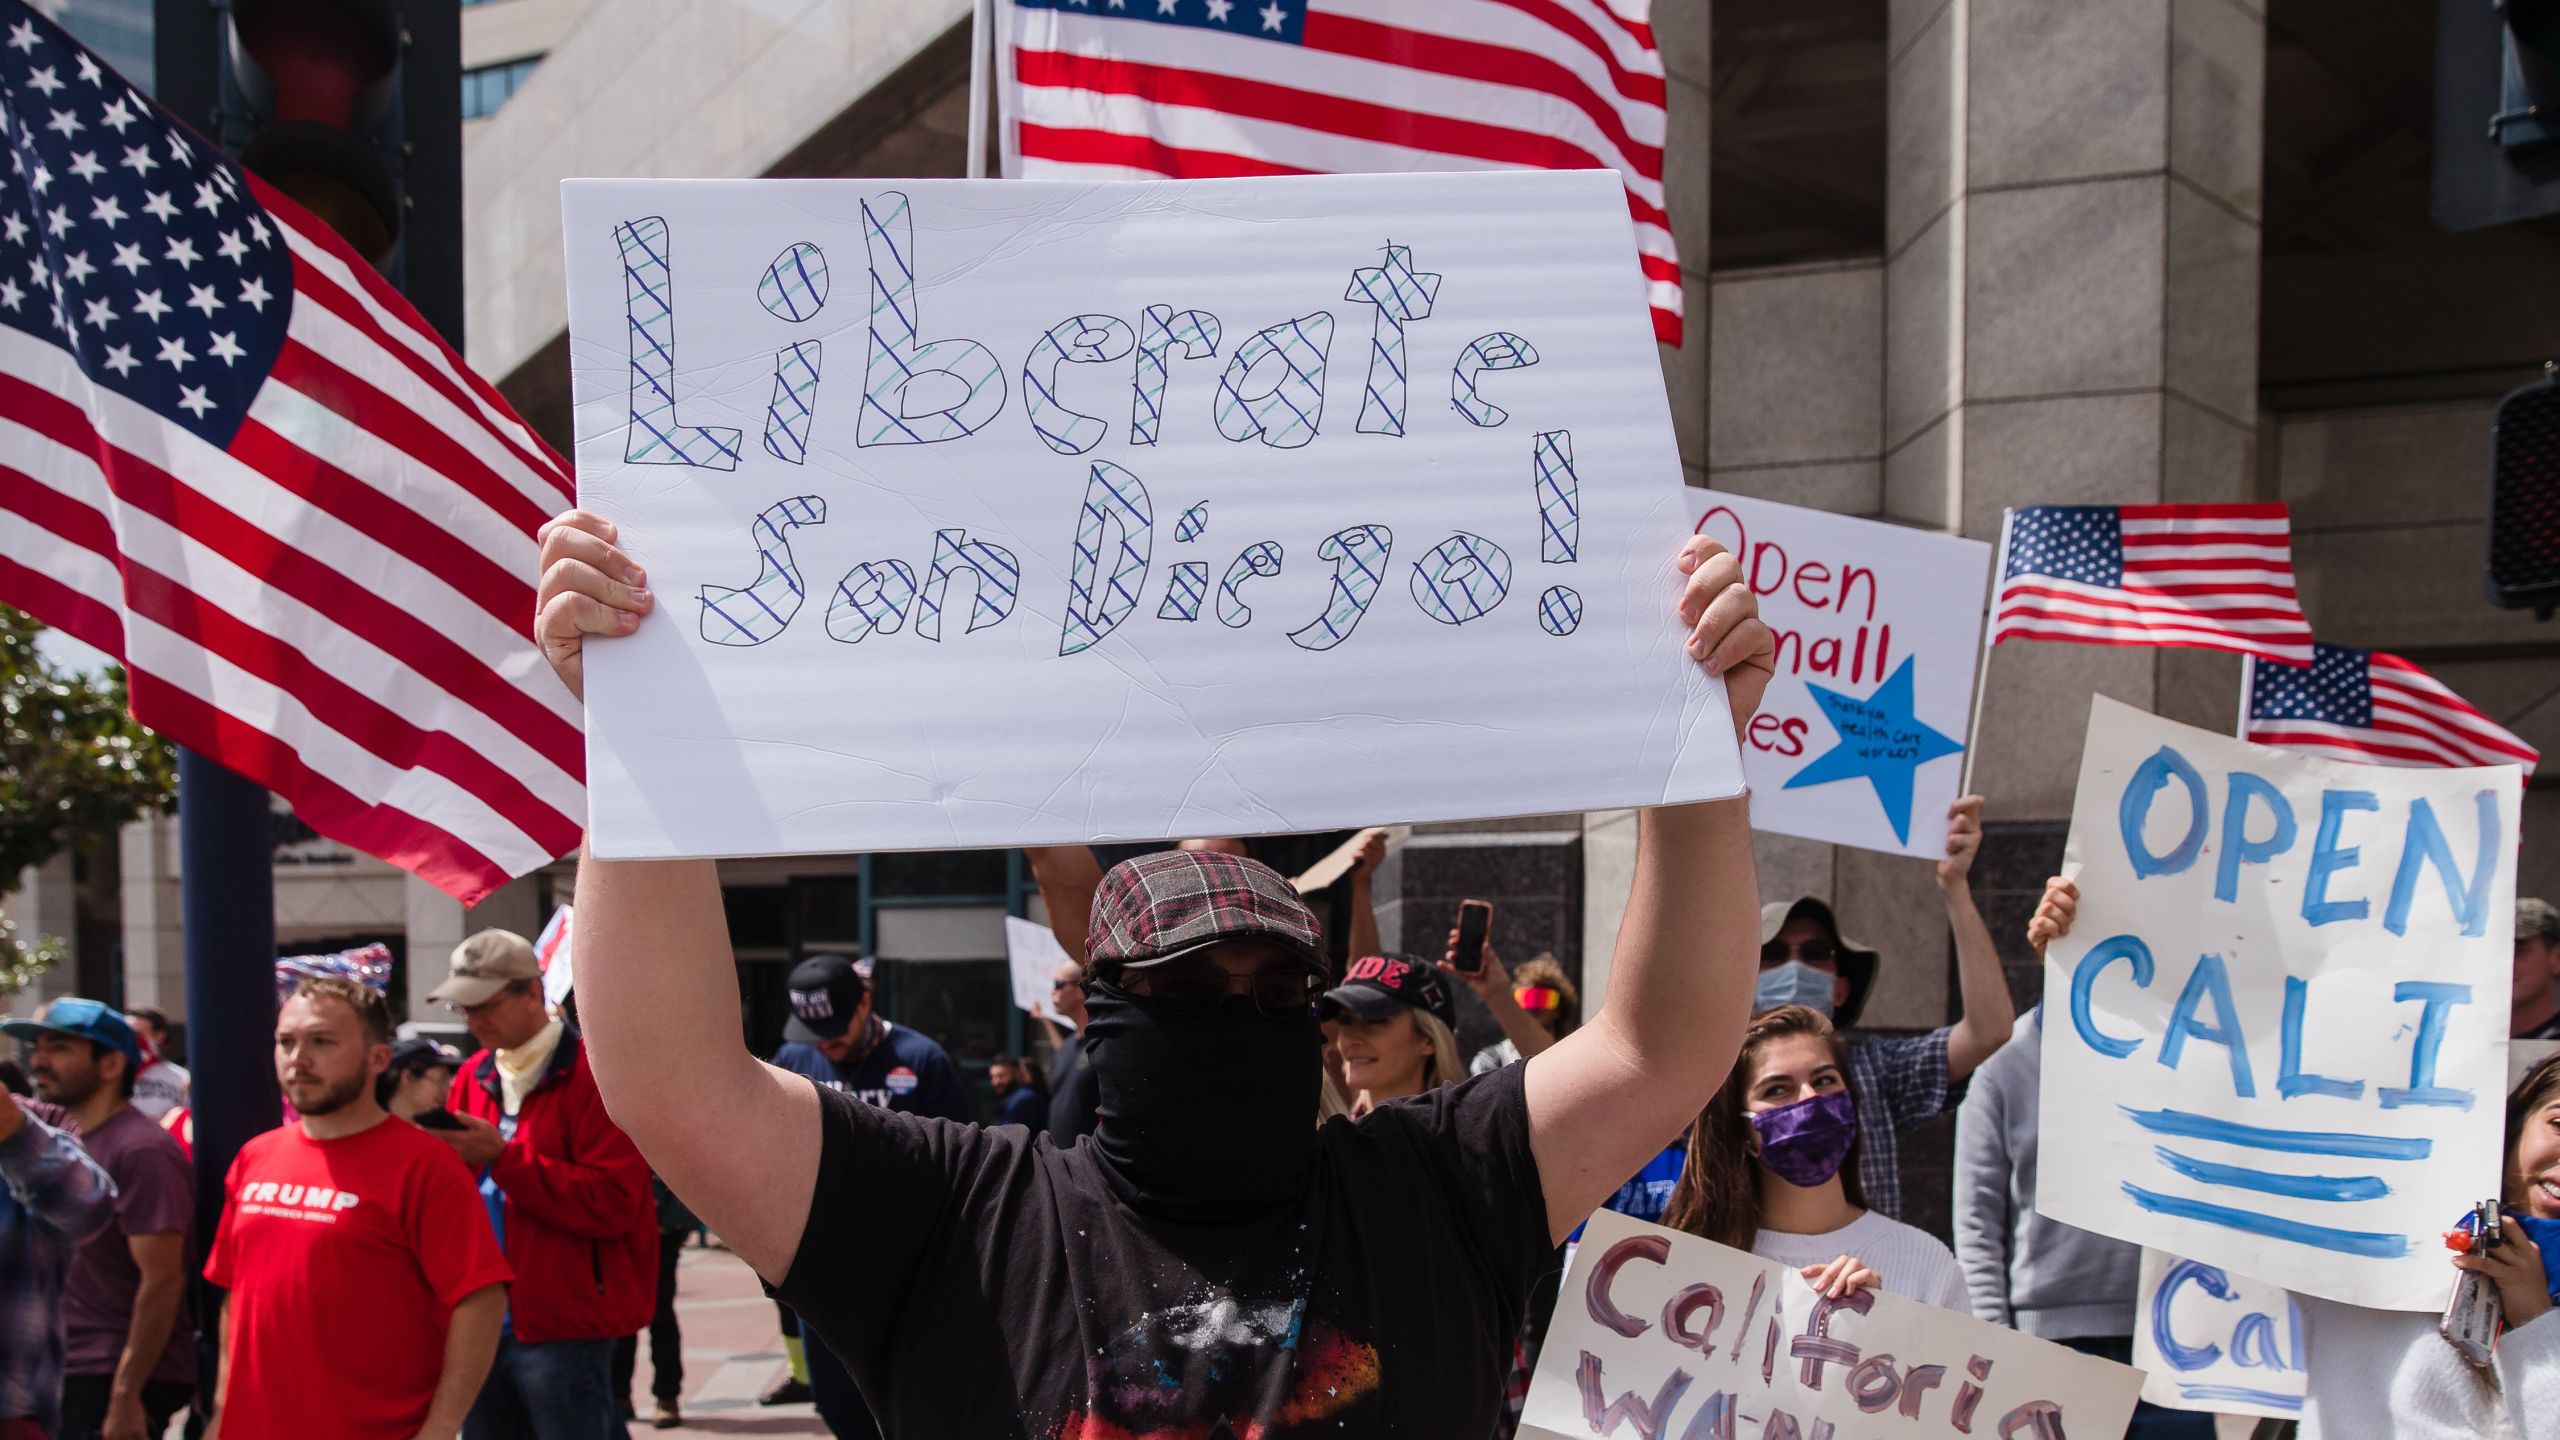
{"x":2286,"y":999}
{"x":2206,"y":1339}
{"x":993,"y":513}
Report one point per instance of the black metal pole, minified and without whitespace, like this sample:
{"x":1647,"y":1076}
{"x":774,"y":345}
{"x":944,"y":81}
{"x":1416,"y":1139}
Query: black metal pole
{"x":228,"y":897}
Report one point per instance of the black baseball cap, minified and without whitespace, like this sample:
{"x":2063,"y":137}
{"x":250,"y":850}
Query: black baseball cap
{"x":825,"y":991}
{"x":420,"y":1053}
{"x":1377,"y":986}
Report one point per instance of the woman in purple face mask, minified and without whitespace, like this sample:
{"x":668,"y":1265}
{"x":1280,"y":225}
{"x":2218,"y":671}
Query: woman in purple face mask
{"x":1772,"y":1169}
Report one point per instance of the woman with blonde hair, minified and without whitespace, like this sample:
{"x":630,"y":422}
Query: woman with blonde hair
{"x":1390,"y":1031}
{"x":1772,"y":1169}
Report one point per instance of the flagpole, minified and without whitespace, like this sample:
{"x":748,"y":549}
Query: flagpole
{"x":981,"y":34}
{"x":1982,"y":667}
{"x":2248,"y":688}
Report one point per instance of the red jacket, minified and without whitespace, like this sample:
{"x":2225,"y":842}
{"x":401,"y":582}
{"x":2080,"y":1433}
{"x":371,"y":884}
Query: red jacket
{"x":582,"y":1233}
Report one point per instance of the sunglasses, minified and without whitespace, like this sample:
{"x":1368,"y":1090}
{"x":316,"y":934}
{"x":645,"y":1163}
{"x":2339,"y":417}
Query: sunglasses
{"x":1538,"y":997}
{"x":1812,"y":952}
{"x":1057,"y":985}
{"x":1279,"y":991}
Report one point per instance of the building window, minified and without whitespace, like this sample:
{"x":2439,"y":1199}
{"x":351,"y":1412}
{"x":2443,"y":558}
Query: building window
{"x":487,"y":87}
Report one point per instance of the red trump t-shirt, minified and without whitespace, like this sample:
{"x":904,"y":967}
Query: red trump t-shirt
{"x":345,"y":1259}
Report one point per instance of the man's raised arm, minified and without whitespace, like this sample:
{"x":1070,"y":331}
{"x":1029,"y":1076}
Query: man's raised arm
{"x":657,"y":984}
{"x":1608,"y":1097}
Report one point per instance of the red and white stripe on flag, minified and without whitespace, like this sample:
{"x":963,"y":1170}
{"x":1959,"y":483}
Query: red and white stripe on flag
{"x":235,"y":459}
{"x":2215,"y":577}
{"x":2407,"y":717}
{"x":1131,"y":89}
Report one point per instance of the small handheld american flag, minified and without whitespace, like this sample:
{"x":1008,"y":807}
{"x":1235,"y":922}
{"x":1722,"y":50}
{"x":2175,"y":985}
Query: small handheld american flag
{"x":1121,"y":89}
{"x":2212,"y":577}
{"x":2379,"y":709}
{"x":235,"y":459}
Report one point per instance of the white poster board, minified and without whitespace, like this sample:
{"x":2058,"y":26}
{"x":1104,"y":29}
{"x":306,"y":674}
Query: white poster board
{"x":1661,"y":1333}
{"x":994,"y":513}
{"x":2206,"y":1339}
{"x":1034,"y":955}
{"x":552,"y":951}
{"x":1860,"y":740}
{"x":2277,"y":1032}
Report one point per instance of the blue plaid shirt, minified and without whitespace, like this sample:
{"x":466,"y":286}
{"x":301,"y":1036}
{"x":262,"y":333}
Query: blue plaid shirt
{"x":56,"y":1197}
{"x":1900,"y":1081}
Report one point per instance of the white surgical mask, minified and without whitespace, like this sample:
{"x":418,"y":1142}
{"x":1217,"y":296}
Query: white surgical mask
{"x":1794,"y":983}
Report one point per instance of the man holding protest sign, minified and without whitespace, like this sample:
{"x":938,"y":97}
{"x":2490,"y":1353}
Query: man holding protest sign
{"x":1228,"y":1264}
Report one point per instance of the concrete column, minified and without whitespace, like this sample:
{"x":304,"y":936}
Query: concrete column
{"x":45,"y":905}
{"x":2072,"y":234}
{"x":437,"y":923}
{"x":155,"y":960}
{"x":435,"y":927}
{"x":1682,"y":36}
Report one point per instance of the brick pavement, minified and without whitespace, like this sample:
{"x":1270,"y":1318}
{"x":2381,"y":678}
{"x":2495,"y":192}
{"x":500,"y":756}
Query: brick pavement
{"x":732,"y":1354}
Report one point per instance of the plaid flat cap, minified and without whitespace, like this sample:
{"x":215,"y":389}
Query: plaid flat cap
{"x":1157,"y":907}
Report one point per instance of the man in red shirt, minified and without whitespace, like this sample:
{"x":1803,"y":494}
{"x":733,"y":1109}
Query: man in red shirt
{"x":565,"y":1193}
{"x":346,"y":1219}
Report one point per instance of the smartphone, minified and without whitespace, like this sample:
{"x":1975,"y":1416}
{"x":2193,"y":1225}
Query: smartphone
{"x":1475,"y":921}
{"x":437,"y":1119}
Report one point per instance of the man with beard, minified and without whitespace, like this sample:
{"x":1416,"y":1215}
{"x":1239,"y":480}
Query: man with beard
{"x":130,"y":1357}
{"x":1210,"y":1261}
{"x":342,"y":1225}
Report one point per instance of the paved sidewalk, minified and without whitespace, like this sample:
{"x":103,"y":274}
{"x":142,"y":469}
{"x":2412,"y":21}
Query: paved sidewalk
{"x":732,"y":1354}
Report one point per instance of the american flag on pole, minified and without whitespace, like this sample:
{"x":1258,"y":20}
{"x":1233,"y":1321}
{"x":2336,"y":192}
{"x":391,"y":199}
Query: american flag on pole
{"x":2378,"y":709}
{"x":2212,"y":577}
{"x":1123,"y":89}
{"x":233,"y":458}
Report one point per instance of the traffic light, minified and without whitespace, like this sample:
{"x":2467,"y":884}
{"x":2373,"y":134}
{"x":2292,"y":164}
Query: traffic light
{"x":2524,"y":500}
{"x":351,"y":107}
{"x":2529,"y":74}
{"x":315,"y":77}
{"x":2497,"y":120}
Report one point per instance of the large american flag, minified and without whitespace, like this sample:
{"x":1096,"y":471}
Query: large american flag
{"x":1120,"y":89}
{"x":233,"y":458}
{"x":2368,"y":706}
{"x":2212,"y":577}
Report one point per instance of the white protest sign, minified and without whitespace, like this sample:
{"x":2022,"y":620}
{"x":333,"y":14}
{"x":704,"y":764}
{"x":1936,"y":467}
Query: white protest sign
{"x":1661,"y":1333}
{"x":992,"y":513}
{"x":2278,"y":1028}
{"x":1034,"y":956}
{"x":2206,"y":1339}
{"x":1860,"y":740}
{"x":552,"y":951}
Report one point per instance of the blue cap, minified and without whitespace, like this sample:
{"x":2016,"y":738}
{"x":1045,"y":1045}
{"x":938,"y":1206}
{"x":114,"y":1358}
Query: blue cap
{"x":88,"y":1020}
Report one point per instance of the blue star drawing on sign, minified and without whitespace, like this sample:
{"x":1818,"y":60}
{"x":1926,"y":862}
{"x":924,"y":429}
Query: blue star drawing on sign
{"x":1881,"y":740}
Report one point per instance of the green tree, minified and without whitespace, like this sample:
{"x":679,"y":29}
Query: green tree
{"x":72,"y":764}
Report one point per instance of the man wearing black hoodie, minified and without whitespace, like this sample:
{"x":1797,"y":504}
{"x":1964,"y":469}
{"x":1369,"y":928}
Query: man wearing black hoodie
{"x":1211,"y":1262}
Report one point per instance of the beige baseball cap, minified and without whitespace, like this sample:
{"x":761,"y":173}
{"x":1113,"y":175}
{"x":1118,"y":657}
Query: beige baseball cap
{"x":486,"y":964}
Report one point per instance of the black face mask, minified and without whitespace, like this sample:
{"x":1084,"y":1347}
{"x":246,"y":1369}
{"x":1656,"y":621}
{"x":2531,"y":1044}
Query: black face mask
{"x":1203,"y":1116}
